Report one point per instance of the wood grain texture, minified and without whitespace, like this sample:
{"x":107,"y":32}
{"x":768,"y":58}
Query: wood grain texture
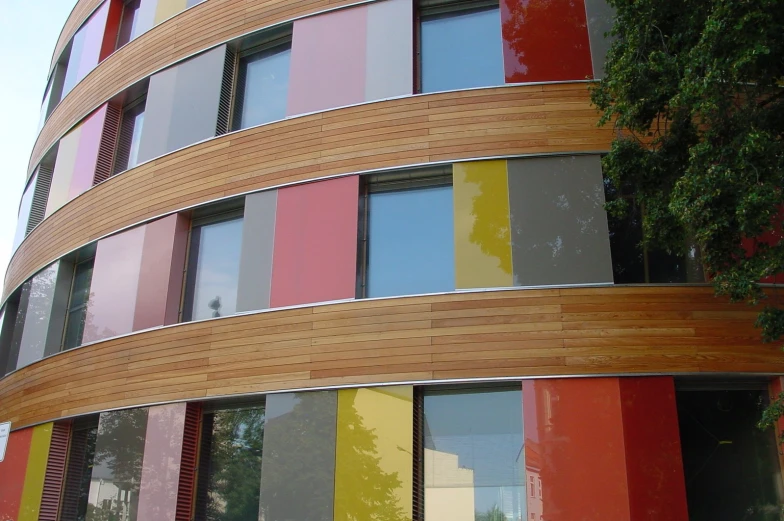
{"x":577,"y":331}
{"x":449,"y":126}
{"x":199,"y":28}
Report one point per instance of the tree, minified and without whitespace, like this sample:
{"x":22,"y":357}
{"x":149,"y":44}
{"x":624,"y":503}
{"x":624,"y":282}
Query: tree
{"x":696,"y":91}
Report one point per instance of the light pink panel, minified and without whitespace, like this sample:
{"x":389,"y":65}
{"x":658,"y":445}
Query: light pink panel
{"x":161,"y":465}
{"x":87,"y":153}
{"x":115,"y":283}
{"x":328,"y":61}
{"x":315,"y":250}
{"x":160,"y":278}
{"x":91,"y":51}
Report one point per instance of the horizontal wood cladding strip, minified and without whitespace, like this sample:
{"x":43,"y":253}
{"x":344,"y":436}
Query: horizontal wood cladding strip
{"x":635,"y":330}
{"x":419,"y":129}
{"x":196,"y":29}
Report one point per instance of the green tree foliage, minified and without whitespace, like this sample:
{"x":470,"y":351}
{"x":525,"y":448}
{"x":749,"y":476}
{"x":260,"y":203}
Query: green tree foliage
{"x":695,"y":88}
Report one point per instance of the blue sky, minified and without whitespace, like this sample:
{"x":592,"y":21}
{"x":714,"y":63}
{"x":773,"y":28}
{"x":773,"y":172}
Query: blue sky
{"x":28,"y":33}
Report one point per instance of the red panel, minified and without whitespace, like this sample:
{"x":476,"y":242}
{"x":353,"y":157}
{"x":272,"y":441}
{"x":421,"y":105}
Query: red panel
{"x":315,"y":250}
{"x":545,"y":40}
{"x":654,"y":467}
{"x":112,"y":26}
{"x":160,"y":278}
{"x":12,"y":473}
{"x":190,"y":450}
{"x":574,"y":445}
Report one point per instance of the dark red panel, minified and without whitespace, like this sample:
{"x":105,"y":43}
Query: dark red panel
{"x":654,"y":467}
{"x":12,"y":472}
{"x":545,"y":40}
{"x":190,"y":449}
{"x":574,"y":445}
{"x":770,"y":238}
{"x":315,"y":248}
{"x":55,"y":471}
{"x":112,"y":26}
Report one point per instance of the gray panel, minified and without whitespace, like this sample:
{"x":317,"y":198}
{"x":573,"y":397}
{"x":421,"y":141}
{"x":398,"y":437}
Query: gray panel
{"x":18,"y":325}
{"x":158,"y":114}
{"x":600,"y":20}
{"x":39,"y":311}
{"x":258,"y":234}
{"x":298,"y":467}
{"x":62,"y":290}
{"x":559,"y":225}
{"x":390,"y":50}
{"x":191,"y":3}
{"x":194,"y":115}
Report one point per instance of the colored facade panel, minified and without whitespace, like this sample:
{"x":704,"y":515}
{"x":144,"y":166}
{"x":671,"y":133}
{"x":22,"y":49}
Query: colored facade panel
{"x":331,"y":47}
{"x":145,"y":17}
{"x":36,"y":472}
{"x":545,"y":41}
{"x":559,"y":225}
{"x":117,"y":467}
{"x":654,"y":466}
{"x":389,"y":61}
{"x":160,"y":275}
{"x":39,"y":332}
{"x":473,"y":462}
{"x":373,"y":463}
{"x":24,"y":212}
{"x":315,"y":252}
{"x":574,"y":445}
{"x":483,"y":247}
{"x":12,"y":473}
{"x":115,"y":284}
{"x":170,"y":119}
{"x":258,"y":236}
{"x":161,"y":464}
{"x":298,"y":465}
{"x":86,"y":47}
{"x":461,"y":50}
{"x":404,"y":257}
{"x":600,"y":17}
{"x":168,"y":8}
{"x":67,"y":152}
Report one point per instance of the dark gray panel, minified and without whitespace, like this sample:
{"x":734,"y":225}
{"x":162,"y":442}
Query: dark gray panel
{"x":62,"y":290}
{"x":258,"y":234}
{"x":194,"y":115}
{"x":298,"y":468}
{"x":158,"y":114}
{"x":600,"y":20}
{"x":18,"y":325}
{"x":559,"y":226}
{"x":39,"y":312}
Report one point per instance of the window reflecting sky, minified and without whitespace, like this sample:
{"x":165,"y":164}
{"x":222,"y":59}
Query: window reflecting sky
{"x":266,"y":87}
{"x":217,"y":270}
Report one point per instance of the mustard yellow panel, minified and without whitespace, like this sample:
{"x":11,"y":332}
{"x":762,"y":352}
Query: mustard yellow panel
{"x":483,"y":246}
{"x":168,"y":8}
{"x":36,"y":472}
{"x":373,"y":457}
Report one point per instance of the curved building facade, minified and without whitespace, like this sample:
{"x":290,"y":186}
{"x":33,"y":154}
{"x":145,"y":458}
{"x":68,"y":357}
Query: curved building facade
{"x":329,"y":260}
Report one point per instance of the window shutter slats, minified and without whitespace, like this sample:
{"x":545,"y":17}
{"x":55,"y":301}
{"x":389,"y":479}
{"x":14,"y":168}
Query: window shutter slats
{"x":55,"y":472}
{"x":40,"y":196}
{"x":227,"y":88}
{"x":190,"y":450}
{"x":418,"y":481}
{"x":111,"y":127}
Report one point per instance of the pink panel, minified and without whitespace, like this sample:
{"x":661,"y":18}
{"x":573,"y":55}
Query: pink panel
{"x":12,"y":473}
{"x":115,"y":283}
{"x":93,"y":40}
{"x":315,"y":250}
{"x":87,"y":153}
{"x":654,"y":466}
{"x":328,"y":61}
{"x":160,"y":278}
{"x":574,"y":444}
{"x":161,"y":465}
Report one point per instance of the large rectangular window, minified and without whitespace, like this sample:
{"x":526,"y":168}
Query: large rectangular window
{"x":131,"y":124}
{"x":474,"y":462}
{"x":229,"y":485}
{"x":76,"y":315}
{"x":213,"y":265}
{"x":262,"y":85}
{"x":410,"y":236}
{"x":78,"y":470}
{"x":460,"y":46}
{"x":129,"y":24}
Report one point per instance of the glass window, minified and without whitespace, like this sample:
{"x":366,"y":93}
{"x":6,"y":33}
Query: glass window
{"x":213,"y":270}
{"x":24,"y":212}
{"x":410,"y":241}
{"x":461,"y":49}
{"x":262,"y":87}
{"x":129,"y":23}
{"x":230,"y":464}
{"x":76,"y":314}
{"x":79,"y":468}
{"x":131,"y":126}
{"x":731,"y":467}
{"x":474,"y":460}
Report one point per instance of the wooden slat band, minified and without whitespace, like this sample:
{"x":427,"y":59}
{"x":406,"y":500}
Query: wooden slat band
{"x":201,"y":27}
{"x":502,"y":121}
{"x":523,"y":333}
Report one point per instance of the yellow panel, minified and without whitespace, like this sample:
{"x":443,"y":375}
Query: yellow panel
{"x":168,"y":8}
{"x":483,"y":247}
{"x":373,"y":455}
{"x":36,"y":471}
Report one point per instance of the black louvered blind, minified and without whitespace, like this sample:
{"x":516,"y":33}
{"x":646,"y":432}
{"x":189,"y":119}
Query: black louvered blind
{"x":203,"y":477}
{"x":41,"y":194}
{"x":227,"y":88}
{"x":418,"y":507}
{"x":111,"y":126}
